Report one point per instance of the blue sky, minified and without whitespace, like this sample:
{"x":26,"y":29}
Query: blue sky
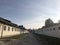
{"x":30,"y":13}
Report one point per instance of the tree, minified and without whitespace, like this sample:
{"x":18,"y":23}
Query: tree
{"x":48,"y":22}
{"x":21,"y":27}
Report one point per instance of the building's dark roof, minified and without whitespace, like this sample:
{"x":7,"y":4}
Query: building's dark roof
{"x":8,"y":22}
{"x":21,"y":27}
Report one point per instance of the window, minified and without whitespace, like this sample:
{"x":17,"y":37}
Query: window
{"x":53,"y":28}
{"x":8,"y":28}
{"x":12,"y":29}
{"x":59,"y":28}
{"x":4,"y":28}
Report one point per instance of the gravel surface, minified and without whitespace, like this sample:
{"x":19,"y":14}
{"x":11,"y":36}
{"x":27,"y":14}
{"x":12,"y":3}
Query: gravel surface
{"x":28,"y":39}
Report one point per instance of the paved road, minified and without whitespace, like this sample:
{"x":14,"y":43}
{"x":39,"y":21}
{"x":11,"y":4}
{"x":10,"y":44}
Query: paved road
{"x":28,"y":39}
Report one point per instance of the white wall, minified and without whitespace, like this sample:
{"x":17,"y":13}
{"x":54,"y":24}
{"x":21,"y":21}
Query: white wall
{"x":24,"y":31}
{"x":53,"y":33}
{"x":7,"y":33}
{"x":10,"y":33}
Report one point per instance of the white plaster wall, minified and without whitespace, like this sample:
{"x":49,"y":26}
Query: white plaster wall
{"x":7,"y":33}
{"x":10,"y":33}
{"x":24,"y":31}
{"x":53,"y":33}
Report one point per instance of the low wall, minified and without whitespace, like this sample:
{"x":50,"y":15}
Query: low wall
{"x":24,"y":31}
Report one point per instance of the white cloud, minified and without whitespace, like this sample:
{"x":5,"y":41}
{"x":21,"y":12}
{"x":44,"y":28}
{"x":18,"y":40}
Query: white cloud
{"x":42,"y":11}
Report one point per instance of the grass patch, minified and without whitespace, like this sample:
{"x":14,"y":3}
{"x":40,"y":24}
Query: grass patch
{"x":14,"y":37}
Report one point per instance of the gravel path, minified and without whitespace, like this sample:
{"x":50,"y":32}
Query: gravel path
{"x":28,"y":39}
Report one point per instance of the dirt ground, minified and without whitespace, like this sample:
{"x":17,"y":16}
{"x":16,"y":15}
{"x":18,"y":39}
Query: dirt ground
{"x":28,"y":39}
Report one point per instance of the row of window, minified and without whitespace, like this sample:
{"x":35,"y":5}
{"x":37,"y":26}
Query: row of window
{"x":5,"y":28}
{"x":51,"y":29}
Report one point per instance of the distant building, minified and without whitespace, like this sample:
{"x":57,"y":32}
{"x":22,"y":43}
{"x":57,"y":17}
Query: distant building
{"x":50,"y":29}
{"x":7,"y":28}
{"x":21,"y":27}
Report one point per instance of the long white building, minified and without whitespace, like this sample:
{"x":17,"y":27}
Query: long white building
{"x":50,"y":29}
{"x":7,"y":28}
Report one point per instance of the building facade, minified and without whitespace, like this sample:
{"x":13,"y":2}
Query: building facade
{"x":50,"y":29}
{"x":7,"y":28}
